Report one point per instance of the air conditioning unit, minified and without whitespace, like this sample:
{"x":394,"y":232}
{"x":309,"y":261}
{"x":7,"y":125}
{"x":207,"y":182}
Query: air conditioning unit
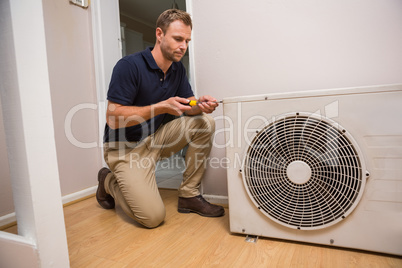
{"x":320,"y":167}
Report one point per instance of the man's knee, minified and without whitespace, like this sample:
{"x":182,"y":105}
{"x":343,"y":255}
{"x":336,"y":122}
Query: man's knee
{"x":153,"y":219}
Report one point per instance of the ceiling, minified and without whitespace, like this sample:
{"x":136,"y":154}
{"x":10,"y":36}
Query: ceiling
{"x":148,"y":11}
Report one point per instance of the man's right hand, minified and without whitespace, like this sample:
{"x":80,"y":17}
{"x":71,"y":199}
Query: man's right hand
{"x":175,"y":105}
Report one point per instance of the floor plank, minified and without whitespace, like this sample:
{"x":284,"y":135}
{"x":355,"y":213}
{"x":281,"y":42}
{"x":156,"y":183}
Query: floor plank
{"x":108,"y":238}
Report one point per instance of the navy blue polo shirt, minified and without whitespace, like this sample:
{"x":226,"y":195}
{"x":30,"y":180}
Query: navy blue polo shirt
{"x":138,"y":81}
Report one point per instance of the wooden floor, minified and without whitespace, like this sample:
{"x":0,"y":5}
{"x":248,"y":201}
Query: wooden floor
{"x":108,"y":238}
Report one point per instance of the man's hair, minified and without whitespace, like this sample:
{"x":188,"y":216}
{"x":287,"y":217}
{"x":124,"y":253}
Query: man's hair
{"x":171,"y":15}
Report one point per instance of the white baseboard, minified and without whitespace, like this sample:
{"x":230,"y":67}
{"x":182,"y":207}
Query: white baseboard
{"x":79,"y":195}
{"x":10,"y":218}
{"x":216,"y":199}
{"x":7,"y":219}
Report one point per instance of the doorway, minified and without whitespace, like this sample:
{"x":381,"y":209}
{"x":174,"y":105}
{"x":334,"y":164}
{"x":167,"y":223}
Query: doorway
{"x":137,"y":26}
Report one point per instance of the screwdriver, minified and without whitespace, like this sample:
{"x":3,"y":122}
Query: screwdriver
{"x":194,"y":102}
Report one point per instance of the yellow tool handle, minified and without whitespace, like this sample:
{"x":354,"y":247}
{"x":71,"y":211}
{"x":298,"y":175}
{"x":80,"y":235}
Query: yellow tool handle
{"x":194,"y":102}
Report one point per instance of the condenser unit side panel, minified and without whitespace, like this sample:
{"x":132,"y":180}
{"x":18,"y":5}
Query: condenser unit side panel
{"x":374,"y":120}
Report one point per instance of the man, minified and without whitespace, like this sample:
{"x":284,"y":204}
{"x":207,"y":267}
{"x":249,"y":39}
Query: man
{"x":148,"y":118}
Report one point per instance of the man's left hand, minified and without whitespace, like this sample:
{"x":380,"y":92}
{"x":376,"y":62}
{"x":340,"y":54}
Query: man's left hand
{"x":207,"y":104}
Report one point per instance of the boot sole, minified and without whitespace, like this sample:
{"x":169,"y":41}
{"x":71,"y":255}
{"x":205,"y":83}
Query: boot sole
{"x":187,"y":211}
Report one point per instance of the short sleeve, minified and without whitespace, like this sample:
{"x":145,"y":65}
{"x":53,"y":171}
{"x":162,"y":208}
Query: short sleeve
{"x":123,"y":86}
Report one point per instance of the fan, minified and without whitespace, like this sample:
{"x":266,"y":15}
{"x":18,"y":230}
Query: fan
{"x":304,"y":171}
{"x":299,"y":161}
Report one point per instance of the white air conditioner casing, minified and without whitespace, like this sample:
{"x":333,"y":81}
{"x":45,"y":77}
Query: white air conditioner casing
{"x":369,"y":119}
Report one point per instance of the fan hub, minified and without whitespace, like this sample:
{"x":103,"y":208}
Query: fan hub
{"x":298,"y":172}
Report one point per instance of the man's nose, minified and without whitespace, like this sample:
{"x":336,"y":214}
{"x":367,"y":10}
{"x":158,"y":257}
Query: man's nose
{"x":183,"y":45}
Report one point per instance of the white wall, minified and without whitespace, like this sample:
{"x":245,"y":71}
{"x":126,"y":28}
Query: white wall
{"x":69,"y":47}
{"x":264,"y":46}
{"x":72,"y":81}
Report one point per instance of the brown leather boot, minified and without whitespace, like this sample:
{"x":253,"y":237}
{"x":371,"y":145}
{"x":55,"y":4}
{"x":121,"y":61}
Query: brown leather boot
{"x":200,"y":206}
{"x":104,"y":199}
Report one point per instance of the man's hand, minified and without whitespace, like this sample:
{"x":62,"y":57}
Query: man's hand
{"x":175,"y":106}
{"x":206,"y":104}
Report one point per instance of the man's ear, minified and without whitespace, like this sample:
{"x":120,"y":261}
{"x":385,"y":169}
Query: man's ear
{"x":159,"y":33}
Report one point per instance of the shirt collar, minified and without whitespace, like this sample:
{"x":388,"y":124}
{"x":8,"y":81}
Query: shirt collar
{"x":151,"y":61}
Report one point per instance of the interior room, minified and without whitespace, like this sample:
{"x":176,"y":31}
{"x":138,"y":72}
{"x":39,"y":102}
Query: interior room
{"x":338,"y":62}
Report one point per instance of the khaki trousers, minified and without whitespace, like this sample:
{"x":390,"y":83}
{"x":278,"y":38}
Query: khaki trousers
{"x":132,"y":179}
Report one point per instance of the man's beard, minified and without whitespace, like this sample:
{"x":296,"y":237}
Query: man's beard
{"x":169,"y":56}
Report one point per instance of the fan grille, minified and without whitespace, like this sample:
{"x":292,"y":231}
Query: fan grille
{"x":304,"y":172}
